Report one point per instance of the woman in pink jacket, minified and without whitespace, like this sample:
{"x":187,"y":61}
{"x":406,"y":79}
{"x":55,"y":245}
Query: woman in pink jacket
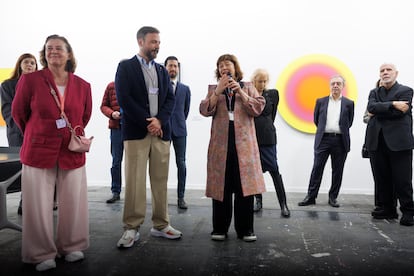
{"x":47,"y":161}
{"x":233,"y":164}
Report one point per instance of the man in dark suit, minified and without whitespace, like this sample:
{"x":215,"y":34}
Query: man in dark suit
{"x":390,"y":143}
{"x":333,"y":116}
{"x":178,"y":125}
{"x":145,"y":95}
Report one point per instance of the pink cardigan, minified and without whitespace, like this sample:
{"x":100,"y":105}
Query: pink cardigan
{"x":251,"y":174}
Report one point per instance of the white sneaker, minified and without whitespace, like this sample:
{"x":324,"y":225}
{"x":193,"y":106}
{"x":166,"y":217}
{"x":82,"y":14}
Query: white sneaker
{"x":168,"y":232}
{"x":251,"y":237}
{"x":218,"y":237}
{"x":74,"y":256}
{"x":46,"y":265}
{"x":128,"y":238}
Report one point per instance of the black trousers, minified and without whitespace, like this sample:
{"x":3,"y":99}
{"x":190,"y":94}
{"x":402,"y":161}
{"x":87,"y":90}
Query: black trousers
{"x":243,"y":206}
{"x":393,"y":173}
{"x":330,"y":146}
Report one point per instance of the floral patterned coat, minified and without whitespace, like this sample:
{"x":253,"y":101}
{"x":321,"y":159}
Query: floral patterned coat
{"x":251,"y":175}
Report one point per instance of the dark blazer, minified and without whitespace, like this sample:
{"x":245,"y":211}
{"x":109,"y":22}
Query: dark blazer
{"x":264,"y":123}
{"x":395,"y":125}
{"x":132,"y":95}
{"x":8,"y":90}
{"x":346,"y":118}
{"x":181,"y":109}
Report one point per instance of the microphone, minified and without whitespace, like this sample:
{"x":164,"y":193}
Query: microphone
{"x":229,"y":91}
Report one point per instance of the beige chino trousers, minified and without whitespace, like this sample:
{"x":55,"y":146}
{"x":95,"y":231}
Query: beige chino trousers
{"x":138,"y":153}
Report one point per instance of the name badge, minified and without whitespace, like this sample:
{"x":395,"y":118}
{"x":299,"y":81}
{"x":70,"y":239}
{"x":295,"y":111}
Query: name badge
{"x":60,"y":123}
{"x":153,"y":91}
{"x":231,"y":116}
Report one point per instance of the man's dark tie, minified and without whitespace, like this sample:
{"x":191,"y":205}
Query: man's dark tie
{"x":173,"y":85}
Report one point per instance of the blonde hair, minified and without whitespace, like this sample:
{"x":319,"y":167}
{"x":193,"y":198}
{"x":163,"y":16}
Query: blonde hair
{"x":260,"y":72}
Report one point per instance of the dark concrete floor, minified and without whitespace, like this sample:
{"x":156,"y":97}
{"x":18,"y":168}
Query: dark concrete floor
{"x":316,"y":240}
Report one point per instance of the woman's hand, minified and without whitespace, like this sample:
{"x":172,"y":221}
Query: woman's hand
{"x":225,"y":82}
{"x":234,"y":86}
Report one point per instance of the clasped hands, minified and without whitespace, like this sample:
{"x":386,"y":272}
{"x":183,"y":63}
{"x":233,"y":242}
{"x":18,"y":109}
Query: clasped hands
{"x":154,"y":127}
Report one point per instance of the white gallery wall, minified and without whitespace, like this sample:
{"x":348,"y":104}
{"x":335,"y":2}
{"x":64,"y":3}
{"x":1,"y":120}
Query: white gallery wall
{"x":267,"y":34}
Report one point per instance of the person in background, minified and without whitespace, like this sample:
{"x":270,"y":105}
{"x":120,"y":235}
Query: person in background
{"x":267,"y":140}
{"x":390,"y":143}
{"x":233,"y":161}
{"x":145,"y":95}
{"x":25,"y":64}
{"x":333,"y":117}
{"x":178,"y":125}
{"x":110,"y":108}
{"x":46,"y":160}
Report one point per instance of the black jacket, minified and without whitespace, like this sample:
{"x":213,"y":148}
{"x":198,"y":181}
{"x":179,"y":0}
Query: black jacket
{"x":395,"y":125}
{"x":264,"y":123}
{"x":8,"y":90}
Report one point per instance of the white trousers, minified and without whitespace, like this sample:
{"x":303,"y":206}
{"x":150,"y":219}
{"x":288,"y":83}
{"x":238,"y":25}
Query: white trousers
{"x":72,"y":227}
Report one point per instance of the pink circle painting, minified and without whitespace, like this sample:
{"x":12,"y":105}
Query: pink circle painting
{"x":305,"y":80}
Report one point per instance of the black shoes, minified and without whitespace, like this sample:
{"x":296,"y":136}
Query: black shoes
{"x":181,"y":204}
{"x":114,"y":198}
{"x":384,"y":214}
{"x":407,"y":220}
{"x":333,"y":202}
{"x":380,"y":213}
{"x":307,"y":201}
{"x":310,"y":201}
{"x":284,"y":211}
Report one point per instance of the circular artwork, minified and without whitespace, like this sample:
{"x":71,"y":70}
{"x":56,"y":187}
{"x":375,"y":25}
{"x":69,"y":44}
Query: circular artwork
{"x":305,"y":80}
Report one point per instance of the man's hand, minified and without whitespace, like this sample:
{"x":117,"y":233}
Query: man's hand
{"x":116,"y":115}
{"x":400,"y":105}
{"x":154,"y":127}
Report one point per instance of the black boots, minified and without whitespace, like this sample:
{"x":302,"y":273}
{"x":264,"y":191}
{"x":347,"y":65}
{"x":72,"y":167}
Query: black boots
{"x":281,"y":196}
{"x":280,"y":192}
{"x":259,"y":205}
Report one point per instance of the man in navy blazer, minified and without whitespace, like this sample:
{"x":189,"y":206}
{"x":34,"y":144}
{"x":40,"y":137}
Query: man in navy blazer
{"x":146,"y":99}
{"x":390,"y":143}
{"x":178,"y":125}
{"x":333,"y":117}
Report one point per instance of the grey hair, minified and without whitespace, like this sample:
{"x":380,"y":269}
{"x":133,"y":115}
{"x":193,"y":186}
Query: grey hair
{"x":259,"y":71}
{"x":338,"y":76}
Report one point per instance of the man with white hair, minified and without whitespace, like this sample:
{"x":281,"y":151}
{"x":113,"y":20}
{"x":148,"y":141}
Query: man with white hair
{"x":390,"y":142}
